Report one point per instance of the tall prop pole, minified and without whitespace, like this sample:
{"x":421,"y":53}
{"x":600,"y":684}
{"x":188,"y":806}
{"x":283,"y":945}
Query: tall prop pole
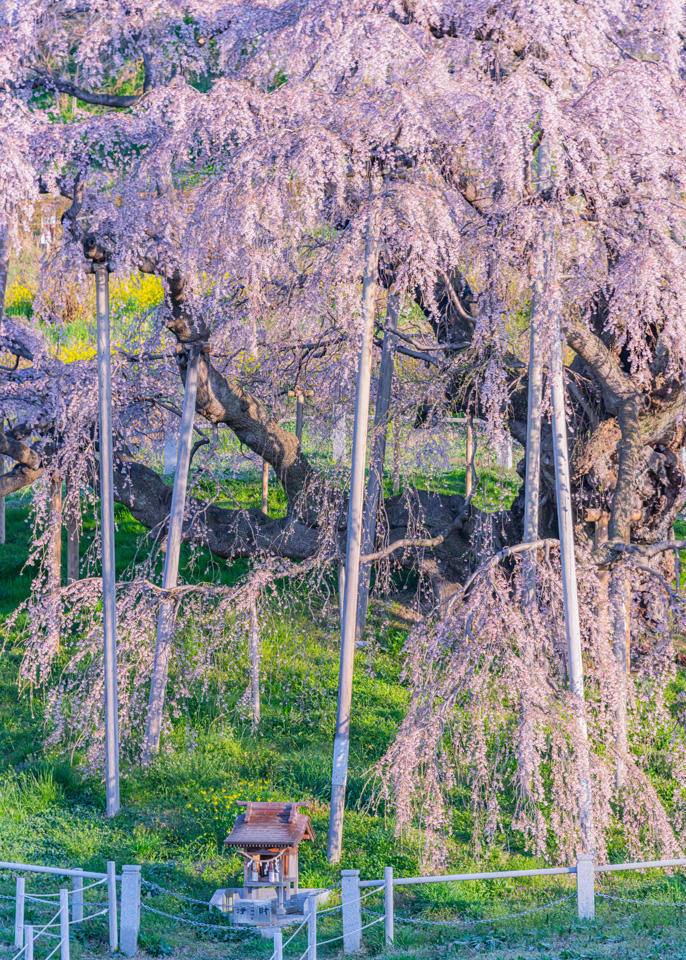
{"x":542,"y":274}
{"x":2,"y":499}
{"x":377,"y":456}
{"x":352,"y":557}
{"x":102,"y":292}
{"x":166,"y":616}
{"x":565,"y":521}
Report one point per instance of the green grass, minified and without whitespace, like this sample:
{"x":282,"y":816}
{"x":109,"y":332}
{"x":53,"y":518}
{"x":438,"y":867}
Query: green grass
{"x":169,"y":823}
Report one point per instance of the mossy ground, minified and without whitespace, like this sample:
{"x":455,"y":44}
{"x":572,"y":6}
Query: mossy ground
{"x":175,"y":815}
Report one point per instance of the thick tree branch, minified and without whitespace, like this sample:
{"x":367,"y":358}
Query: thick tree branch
{"x":86,"y":96}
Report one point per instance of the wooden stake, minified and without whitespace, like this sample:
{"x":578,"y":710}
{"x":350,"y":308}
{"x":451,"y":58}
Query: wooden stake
{"x":352,"y":559}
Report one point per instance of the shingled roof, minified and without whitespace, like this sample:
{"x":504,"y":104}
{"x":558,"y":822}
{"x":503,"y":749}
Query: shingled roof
{"x":270,"y":825}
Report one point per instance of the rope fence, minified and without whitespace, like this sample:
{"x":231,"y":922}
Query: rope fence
{"x":76,"y":908}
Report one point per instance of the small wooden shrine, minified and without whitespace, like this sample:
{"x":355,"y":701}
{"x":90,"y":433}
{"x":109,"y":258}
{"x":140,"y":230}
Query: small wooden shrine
{"x":268,"y":835}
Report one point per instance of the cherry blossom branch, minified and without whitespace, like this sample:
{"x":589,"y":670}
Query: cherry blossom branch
{"x":86,"y":96}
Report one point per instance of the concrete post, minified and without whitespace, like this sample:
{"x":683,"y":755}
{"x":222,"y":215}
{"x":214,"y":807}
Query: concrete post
{"x":352,"y":910}
{"x":278,"y":944}
{"x":19,"y":913}
{"x":311,"y":928}
{"x":28,"y":940}
{"x":388,"y":904}
{"x":112,"y":903}
{"x":64,"y":924}
{"x":585,"y":892}
{"x":130,"y":909}
{"x":77,"y":899}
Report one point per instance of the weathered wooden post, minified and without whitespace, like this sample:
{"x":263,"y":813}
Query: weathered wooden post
{"x":112,"y":904}
{"x":19,"y":903}
{"x":64,"y":924}
{"x":54,"y":559}
{"x":255,"y":662}
{"x":396,"y":454}
{"x":264,"y":505}
{"x":565,"y":521}
{"x":77,"y":898}
{"x":2,"y":499}
{"x":532,"y":478}
{"x":73,"y":546}
{"x":338,"y":433}
{"x":166,"y":616}
{"x":377,"y":457}
{"x":311,"y":928}
{"x":300,"y":395}
{"x":109,"y":614}
{"x":469,"y":458}
{"x":28,"y":941}
{"x":352,"y":558}
{"x":388,"y":904}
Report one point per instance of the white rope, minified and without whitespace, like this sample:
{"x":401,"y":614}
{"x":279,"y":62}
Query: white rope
{"x":321,"y":943}
{"x":295,"y":933}
{"x":89,"y":917}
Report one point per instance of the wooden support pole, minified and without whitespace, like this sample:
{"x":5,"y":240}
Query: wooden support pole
{"x":565,"y":521}
{"x":73,"y":545}
{"x":469,"y":459}
{"x":54,"y":561}
{"x":352,"y":558}
{"x":166,"y":616}
{"x":64,"y":924}
{"x":255,"y":662}
{"x":264,"y":505}
{"x":102,"y":297}
{"x":377,"y":458}
{"x":396,"y":454}
{"x":677,"y":564}
{"x":2,"y":499}
{"x":112,"y":904}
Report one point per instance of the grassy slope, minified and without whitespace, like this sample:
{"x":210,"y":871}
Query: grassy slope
{"x":171,"y":824}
